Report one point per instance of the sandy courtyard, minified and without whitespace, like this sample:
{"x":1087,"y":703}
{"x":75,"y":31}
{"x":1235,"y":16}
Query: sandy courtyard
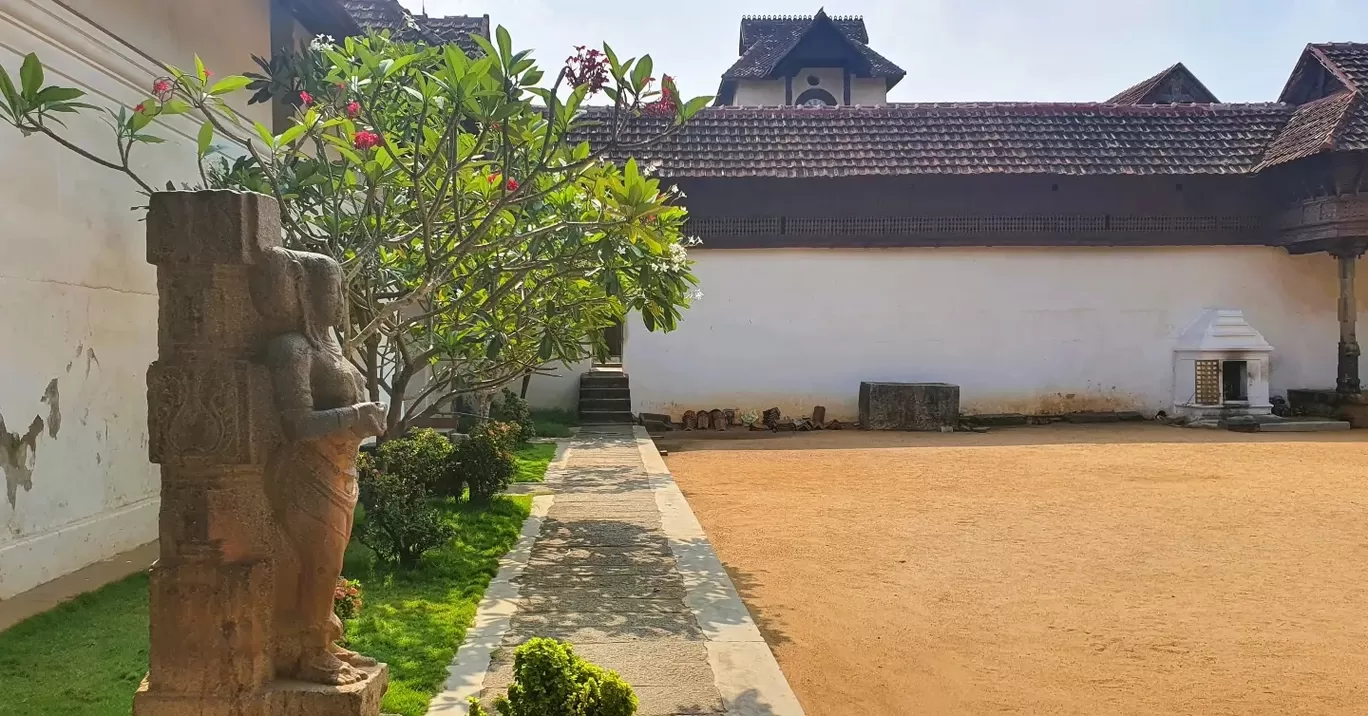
{"x":1090,"y":570}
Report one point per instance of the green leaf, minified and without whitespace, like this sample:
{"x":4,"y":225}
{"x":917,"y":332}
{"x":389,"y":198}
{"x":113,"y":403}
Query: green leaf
{"x":147,"y":139}
{"x":231,"y":83}
{"x":265,"y":133}
{"x":694,"y":105}
{"x":57,"y":94}
{"x":485,"y":45}
{"x":200,"y":70}
{"x":31,"y":75}
{"x":631,"y":174}
{"x":532,"y":78}
{"x":206,"y":138}
{"x":289,"y":136}
{"x":612,"y":58}
{"x":505,"y":41}
{"x":641,"y":73}
{"x":11,"y":95}
{"x":139,"y":120}
{"x":400,"y":64}
{"x":175,"y":106}
{"x":496,"y":345}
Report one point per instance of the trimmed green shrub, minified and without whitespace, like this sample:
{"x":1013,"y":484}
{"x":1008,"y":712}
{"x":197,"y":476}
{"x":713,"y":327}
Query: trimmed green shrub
{"x":485,"y":460}
{"x":549,"y":679}
{"x":420,"y":456}
{"x":400,"y":523}
{"x":511,"y":408}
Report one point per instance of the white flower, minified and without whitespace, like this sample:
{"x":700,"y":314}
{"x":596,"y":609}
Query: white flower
{"x":694,"y":294}
{"x":322,"y":42}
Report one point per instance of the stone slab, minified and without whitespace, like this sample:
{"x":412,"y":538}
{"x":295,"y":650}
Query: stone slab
{"x":1304,"y":426}
{"x":997,"y":419}
{"x":908,"y":406}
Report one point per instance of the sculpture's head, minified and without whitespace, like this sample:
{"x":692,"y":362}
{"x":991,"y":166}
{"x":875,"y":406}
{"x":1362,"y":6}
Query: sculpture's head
{"x":298,"y":291}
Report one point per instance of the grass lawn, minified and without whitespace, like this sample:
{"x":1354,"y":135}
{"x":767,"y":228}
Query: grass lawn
{"x":87,"y":656}
{"x":554,"y":423}
{"x":415,"y":621}
{"x":83,"y":658}
{"x":533,"y":460}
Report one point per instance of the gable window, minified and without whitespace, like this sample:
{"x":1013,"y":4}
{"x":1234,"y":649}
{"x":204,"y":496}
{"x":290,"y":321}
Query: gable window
{"x":816,"y":98}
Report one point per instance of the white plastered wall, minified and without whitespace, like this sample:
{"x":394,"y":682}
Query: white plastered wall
{"x":1039,"y":330}
{"x":559,"y":391}
{"x":759,"y":93}
{"x":868,"y":91}
{"x":80,"y":307}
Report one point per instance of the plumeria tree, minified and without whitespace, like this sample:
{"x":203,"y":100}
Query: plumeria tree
{"x":481,"y":237}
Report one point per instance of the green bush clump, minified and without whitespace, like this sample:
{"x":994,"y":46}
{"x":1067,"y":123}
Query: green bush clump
{"x":484,"y":461}
{"x":511,"y":408}
{"x":400,"y":523}
{"x":420,"y":456}
{"x":549,"y":679}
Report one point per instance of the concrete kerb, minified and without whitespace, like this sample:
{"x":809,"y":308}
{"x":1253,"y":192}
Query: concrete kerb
{"x":744,"y":669}
{"x":466,"y":674}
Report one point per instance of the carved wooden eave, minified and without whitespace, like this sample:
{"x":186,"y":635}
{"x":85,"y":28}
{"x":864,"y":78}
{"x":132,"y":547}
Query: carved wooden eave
{"x":1325,"y":202}
{"x":1315,"y":223}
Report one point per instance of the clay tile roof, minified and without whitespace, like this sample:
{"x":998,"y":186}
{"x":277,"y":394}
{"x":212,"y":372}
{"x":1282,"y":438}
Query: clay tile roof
{"x":1349,"y":58}
{"x":1311,"y":130}
{"x":390,"y":15}
{"x":965,"y":138}
{"x":385,"y":15}
{"x":766,"y":41}
{"x":1161,"y":89}
{"x":1335,"y":122}
{"x":457,"y":29}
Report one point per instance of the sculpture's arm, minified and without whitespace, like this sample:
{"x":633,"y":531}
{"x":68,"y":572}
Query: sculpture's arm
{"x":290,"y":359}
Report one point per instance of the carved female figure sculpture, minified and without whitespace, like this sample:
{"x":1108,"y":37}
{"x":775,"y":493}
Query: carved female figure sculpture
{"x":311,"y":475}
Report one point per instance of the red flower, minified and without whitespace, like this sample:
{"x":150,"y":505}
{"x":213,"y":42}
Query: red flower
{"x":306,"y":98}
{"x":140,"y":108}
{"x":512,"y":185}
{"x":163,"y":88}
{"x":353,"y":108}
{"x":666,"y":105}
{"x":493,"y":177}
{"x":208,"y":74}
{"x":495,"y":126}
{"x":587,"y":68}
{"x":366,"y":140}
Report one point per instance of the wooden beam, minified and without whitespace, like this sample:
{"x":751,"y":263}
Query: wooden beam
{"x":788,"y":89}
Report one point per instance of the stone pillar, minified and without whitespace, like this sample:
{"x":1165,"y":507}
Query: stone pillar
{"x":1347,"y":380}
{"x":211,"y":425}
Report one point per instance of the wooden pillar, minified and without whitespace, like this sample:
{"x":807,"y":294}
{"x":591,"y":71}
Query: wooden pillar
{"x":1347,"y":381}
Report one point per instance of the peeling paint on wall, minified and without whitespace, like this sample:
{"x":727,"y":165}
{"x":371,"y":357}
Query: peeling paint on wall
{"x":19,"y":454}
{"x":17,"y":457}
{"x":52,"y":399}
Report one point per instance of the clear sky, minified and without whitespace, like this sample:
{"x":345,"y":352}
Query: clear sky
{"x":963,"y":50}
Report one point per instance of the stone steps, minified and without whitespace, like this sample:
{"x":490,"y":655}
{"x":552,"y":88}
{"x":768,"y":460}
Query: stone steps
{"x":605,"y":398}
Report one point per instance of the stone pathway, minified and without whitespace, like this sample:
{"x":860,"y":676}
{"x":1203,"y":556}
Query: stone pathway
{"x":619,"y":567}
